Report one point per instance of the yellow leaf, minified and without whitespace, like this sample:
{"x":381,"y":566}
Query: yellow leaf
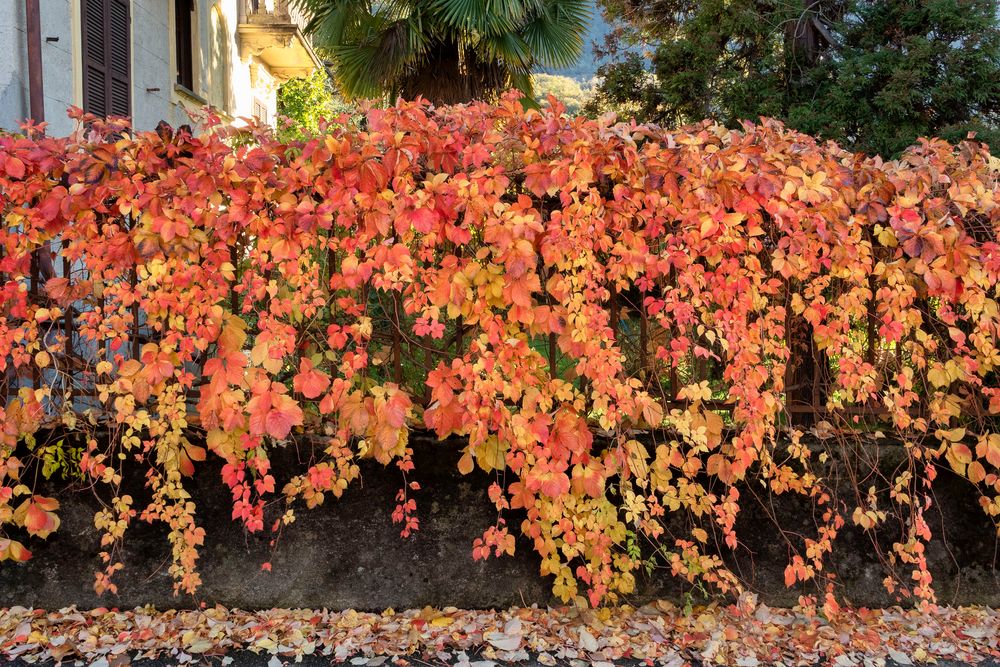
{"x":887,"y":238}
{"x":798,"y":305}
{"x":637,"y":458}
{"x":365,"y":326}
{"x":224,"y":443}
{"x":696,"y":392}
{"x":233,"y":334}
{"x":959,"y":456}
{"x":962,"y":453}
{"x":714,"y":425}
{"x":951,"y":435}
{"x":989,"y":448}
{"x":938,"y":376}
{"x":491,"y":454}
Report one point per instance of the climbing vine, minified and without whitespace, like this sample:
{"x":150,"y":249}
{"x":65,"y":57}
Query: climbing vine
{"x":614,"y":317}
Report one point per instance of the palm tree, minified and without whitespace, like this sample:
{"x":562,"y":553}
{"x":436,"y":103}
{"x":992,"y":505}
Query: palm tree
{"x":447,"y":51}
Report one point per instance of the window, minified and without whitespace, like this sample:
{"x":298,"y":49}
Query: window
{"x":184,"y":46}
{"x":260,"y":111}
{"x":106,"y":67}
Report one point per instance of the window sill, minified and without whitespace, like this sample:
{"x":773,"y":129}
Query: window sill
{"x":187,"y":94}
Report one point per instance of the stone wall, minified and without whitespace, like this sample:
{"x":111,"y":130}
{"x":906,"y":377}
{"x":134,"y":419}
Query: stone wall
{"x":348,"y":553}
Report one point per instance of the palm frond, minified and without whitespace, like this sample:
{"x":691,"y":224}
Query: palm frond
{"x":521,"y":80}
{"x":356,"y":67}
{"x":508,"y":47}
{"x":364,"y":66}
{"x":555,"y":33}
{"x":486,"y":17}
{"x":329,"y":20}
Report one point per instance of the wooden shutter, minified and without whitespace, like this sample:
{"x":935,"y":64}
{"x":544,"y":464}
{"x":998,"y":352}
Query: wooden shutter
{"x":119,"y":56}
{"x":107,"y":37}
{"x":95,"y":70}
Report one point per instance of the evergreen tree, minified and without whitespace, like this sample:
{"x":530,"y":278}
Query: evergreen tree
{"x":874,"y":75}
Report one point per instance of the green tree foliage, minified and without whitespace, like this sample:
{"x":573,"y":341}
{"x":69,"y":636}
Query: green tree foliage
{"x":444,"y":50}
{"x":874,"y":75}
{"x":307,"y":100}
{"x":567,"y":90}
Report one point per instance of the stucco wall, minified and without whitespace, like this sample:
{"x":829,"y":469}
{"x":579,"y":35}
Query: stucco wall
{"x":12,"y":64}
{"x":154,"y":95}
{"x":57,"y":63}
{"x":152,"y":73}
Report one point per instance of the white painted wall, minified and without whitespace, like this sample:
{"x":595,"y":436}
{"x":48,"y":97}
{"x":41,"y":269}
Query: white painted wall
{"x":154,"y":96}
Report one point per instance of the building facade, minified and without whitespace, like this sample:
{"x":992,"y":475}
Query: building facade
{"x":153,"y":60}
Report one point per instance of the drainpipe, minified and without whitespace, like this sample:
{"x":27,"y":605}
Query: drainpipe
{"x":36,"y":97}
{"x":41,"y":259}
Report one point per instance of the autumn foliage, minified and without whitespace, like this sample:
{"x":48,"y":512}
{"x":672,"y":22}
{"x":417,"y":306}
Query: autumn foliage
{"x":607,"y":313}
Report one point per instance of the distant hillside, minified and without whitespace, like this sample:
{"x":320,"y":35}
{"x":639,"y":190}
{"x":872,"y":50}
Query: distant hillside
{"x":586,"y":68}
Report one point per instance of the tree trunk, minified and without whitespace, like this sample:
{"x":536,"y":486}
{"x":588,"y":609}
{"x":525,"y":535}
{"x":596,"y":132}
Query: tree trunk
{"x":449,"y":76}
{"x":805,"y":376}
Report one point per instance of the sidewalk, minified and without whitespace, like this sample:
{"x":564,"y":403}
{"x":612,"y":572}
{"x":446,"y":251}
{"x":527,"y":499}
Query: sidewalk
{"x":744,"y":635}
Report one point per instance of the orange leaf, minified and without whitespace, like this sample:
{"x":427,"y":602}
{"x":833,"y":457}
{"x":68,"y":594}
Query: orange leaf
{"x":13,"y":550}
{"x":37,"y":515}
{"x":396,"y":408}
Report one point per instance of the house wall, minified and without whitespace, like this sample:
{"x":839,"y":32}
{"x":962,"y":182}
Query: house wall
{"x":247,"y":79}
{"x":222,"y":78}
{"x":14,"y":64}
{"x":152,"y":69}
{"x":60,"y":39}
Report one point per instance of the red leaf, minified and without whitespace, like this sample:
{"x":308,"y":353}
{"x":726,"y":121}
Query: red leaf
{"x":274,"y":414}
{"x":310,"y":382}
{"x":282,"y":417}
{"x":373,"y":176}
{"x":14,"y":167}
{"x":58,"y":289}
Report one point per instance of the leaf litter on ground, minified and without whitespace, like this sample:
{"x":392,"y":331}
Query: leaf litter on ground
{"x":743,"y":634}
